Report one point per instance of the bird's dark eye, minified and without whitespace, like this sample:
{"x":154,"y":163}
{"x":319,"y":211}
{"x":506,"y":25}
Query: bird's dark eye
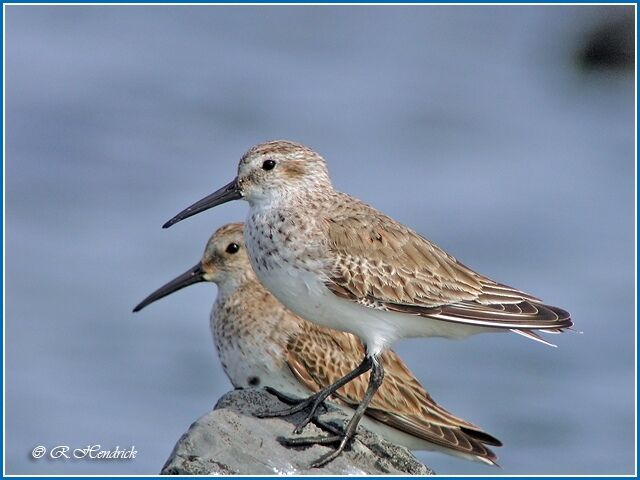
{"x":268,"y":164}
{"x":233,"y":248}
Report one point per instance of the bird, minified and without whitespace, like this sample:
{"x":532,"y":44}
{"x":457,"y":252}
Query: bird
{"x":261,"y":343}
{"x":338,"y":262}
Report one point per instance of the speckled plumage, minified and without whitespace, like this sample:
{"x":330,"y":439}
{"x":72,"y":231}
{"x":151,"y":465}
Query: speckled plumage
{"x":261,"y":343}
{"x":339,"y":250}
{"x":339,"y":263}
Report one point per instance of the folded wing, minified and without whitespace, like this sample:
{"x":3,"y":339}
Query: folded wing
{"x":381,"y":264}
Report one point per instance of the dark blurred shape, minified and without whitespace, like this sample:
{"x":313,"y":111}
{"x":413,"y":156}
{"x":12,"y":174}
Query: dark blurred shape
{"x":610,"y":45}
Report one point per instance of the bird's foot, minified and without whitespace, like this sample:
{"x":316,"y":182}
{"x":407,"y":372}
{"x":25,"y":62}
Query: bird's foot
{"x":297,"y":405}
{"x":337,"y":435}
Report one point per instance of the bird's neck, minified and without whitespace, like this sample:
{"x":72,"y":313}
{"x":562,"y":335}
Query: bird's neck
{"x":307,"y":195}
{"x":232,"y":286}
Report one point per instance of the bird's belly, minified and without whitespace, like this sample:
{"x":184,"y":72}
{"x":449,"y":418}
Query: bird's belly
{"x":302,"y":292}
{"x":306,"y":295}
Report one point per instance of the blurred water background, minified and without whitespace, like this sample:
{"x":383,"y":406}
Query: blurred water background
{"x":504,"y":134}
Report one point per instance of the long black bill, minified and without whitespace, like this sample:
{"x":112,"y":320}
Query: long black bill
{"x":191,"y":276}
{"x":225,"y":194}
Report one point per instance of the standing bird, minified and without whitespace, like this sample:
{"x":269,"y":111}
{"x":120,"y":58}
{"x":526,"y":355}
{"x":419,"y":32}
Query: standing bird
{"x":261,"y":343}
{"x":338,"y":262}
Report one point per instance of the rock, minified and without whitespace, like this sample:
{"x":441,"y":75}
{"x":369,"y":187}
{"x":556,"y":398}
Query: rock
{"x":231,"y":440}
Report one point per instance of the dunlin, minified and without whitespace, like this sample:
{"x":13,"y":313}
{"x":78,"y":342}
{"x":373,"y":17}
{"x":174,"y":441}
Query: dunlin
{"x":261,"y":343}
{"x":338,"y":262}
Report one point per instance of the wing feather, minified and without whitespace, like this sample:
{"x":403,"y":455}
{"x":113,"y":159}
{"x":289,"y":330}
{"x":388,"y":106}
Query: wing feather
{"x":381,"y":264}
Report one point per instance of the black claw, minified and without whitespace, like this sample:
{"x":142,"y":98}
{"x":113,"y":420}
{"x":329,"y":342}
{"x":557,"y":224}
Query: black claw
{"x":300,"y":426}
{"x":324,"y":459}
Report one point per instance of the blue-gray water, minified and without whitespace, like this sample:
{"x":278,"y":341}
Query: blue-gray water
{"x":473,"y":125}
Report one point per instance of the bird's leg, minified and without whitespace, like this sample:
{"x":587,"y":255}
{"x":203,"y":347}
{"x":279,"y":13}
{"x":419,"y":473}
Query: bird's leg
{"x":375,"y":380}
{"x":315,"y":400}
{"x":342,"y":437}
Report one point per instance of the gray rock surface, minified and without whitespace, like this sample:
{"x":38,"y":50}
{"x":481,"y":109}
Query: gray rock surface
{"x":231,"y":440}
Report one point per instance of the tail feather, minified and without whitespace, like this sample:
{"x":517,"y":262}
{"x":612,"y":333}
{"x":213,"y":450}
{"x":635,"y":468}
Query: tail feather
{"x":533,"y":336}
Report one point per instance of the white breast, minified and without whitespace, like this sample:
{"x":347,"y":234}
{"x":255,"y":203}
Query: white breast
{"x":295,"y":278}
{"x":286,"y":266}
